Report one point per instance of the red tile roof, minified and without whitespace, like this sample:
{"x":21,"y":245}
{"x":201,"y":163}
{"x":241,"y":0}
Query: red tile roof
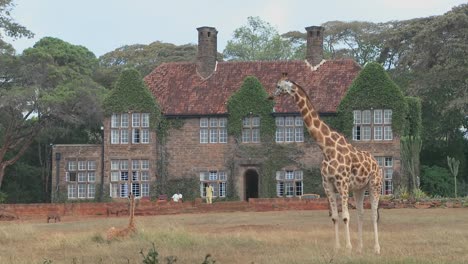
{"x":181,"y":91}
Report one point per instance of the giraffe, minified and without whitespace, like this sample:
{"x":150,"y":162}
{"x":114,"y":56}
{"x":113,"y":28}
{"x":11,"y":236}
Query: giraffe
{"x":344,"y":168}
{"x":113,"y":232}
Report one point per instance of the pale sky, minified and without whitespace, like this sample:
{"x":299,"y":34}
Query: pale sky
{"x":104,"y":25}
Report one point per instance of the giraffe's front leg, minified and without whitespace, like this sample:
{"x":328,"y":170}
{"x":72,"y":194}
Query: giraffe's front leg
{"x":345,"y":216}
{"x":333,"y":210}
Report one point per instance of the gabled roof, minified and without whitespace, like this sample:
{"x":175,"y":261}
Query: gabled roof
{"x":180,"y":90}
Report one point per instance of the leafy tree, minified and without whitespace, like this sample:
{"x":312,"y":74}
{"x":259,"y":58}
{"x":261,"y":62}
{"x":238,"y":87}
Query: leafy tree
{"x":144,"y":58}
{"x":49,"y":84}
{"x":8,"y":26}
{"x":258,"y":41}
{"x":436,"y":180}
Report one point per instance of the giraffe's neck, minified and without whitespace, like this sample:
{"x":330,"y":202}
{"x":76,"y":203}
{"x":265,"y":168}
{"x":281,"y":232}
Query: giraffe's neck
{"x":317,"y":129}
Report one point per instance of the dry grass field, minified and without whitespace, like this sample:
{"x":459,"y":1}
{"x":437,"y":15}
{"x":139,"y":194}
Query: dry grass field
{"x":407,"y":236}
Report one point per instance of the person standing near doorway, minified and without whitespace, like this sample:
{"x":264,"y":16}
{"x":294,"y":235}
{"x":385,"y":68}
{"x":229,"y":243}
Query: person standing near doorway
{"x":209,"y":194}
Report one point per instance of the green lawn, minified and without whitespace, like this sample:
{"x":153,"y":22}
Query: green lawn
{"x":406,"y":236}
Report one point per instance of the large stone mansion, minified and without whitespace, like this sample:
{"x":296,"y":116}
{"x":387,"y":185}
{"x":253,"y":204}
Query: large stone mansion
{"x":201,"y":151}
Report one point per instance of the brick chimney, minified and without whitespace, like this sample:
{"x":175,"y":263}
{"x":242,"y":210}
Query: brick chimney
{"x":314,"y":50}
{"x":207,"y":50}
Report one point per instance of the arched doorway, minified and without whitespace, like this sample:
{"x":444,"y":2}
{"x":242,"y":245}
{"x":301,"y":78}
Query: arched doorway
{"x":251,"y":184}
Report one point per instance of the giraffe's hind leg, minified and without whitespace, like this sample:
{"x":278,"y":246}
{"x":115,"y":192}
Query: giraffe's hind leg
{"x":375,"y":190}
{"x":359,"y":199}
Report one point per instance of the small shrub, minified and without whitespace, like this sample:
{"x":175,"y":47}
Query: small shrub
{"x":3,"y":197}
{"x":420,"y":195}
{"x":151,"y":257}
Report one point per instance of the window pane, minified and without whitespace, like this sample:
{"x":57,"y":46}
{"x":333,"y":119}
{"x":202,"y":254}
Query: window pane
{"x":222,"y":135}
{"x":72,"y":165}
{"x":387,"y":116}
{"x":91,"y":190}
{"x":357,"y":117}
{"x":145,"y":176}
{"x":135,"y":164}
{"x":388,"y":135}
{"x":255,"y":121}
{"x":203,"y":135}
{"x":298,"y":188}
{"x":279,"y":134}
{"x":213,"y":122}
{"x":71,"y":191}
{"x":114,"y":136}
{"x":289,"y":121}
{"x":203,"y":122}
{"x":289,"y":175}
{"x":115,"y":176}
{"x":279,"y":121}
{"x":124,"y":175}
{"x":81,"y":165}
{"x":124,"y":136}
{"x":279,"y":189}
{"x":145,"y":164}
{"x":136,"y":135}
{"x":222,"y":175}
{"x":145,"y":136}
{"x":357,"y":133}
{"x":214,"y":135}
{"x":366,"y":117}
{"x":299,"y":121}
{"x":115,"y":164}
{"x":81,"y":176}
{"x":123,"y":190}
{"x":222,"y":122}
{"x":366,"y":132}
{"x":256,"y":135}
{"x":124,"y":164}
{"x":124,"y":120}
{"x":145,"y":120}
{"x":377,"y":116}
{"x":289,"y":188}
{"x":222,"y":189}
{"x":378,"y":135}
{"x":135,"y":175}
{"x":289,"y":134}
{"x":213,"y":176}
{"x":82,"y":190}
{"x":114,"y":190}
{"x":246,"y":122}
{"x":91,"y":176}
{"x":299,"y":131}
{"x":388,"y":162}
{"x":136,"y":119}
{"x":246,"y":135}
{"x":115,"y":122}
{"x":91,"y":165}
{"x":145,"y":189}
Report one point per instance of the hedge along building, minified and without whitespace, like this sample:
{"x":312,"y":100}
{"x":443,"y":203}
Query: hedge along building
{"x":218,"y":128}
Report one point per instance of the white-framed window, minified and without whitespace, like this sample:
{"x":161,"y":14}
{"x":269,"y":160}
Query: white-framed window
{"x":289,"y":129}
{"x":289,"y":183}
{"x":91,"y":190}
{"x":128,"y":176}
{"x":124,"y":120}
{"x":213,"y":130}
{"x":124,"y":136}
{"x":144,"y":120}
{"x":217,"y":179}
{"x":81,"y":165}
{"x":123,"y":133}
{"x":80,"y":175}
{"x":386,"y":163}
{"x":251,"y":129}
{"x":372,"y":124}
{"x":115,"y":133}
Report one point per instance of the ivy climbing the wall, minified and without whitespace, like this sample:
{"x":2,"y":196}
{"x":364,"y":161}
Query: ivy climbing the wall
{"x":251,"y":100}
{"x":131,"y":94}
{"x":372,"y":89}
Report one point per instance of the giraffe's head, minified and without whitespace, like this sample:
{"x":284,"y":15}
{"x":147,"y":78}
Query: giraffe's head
{"x":283,"y":86}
